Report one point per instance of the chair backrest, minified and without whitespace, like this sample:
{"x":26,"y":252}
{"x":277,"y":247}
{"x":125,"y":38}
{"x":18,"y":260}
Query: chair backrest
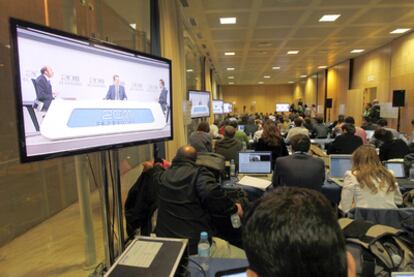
{"x":390,"y":217}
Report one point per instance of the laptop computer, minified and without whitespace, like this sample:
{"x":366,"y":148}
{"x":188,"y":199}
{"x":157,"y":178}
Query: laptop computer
{"x":370,"y":134}
{"x":241,"y":127}
{"x":255,"y":163}
{"x":338,"y":165}
{"x":397,"y":168}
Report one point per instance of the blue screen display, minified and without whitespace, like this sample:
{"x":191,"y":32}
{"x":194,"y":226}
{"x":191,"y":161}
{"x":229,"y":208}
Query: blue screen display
{"x":103,"y":117}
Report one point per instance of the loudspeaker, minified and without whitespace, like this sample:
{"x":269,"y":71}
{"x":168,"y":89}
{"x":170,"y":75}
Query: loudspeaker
{"x":398,"y":98}
{"x":328,"y":103}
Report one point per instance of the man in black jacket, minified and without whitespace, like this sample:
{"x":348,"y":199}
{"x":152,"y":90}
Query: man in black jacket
{"x":346,"y":143}
{"x":188,"y":196}
{"x":229,"y":147}
{"x":312,"y":170}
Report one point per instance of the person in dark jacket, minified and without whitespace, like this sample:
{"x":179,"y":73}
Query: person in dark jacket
{"x":311,"y":169}
{"x":345,"y":143}
{"x":319,"y":128}
{"x":250,"y":127}
{"x":201,"y":139}
{"x":272,"y":141}
{"x":188,"y":196}
{"x":390,"y":148}
{"x":229,"y":147}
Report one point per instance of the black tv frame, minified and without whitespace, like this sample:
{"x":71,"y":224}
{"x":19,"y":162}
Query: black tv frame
{"x":209,"y":110}
{"x":15,"y":66}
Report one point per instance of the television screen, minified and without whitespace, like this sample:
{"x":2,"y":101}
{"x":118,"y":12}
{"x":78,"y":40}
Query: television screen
{"x":282,"y":107}
{"x":200,"y":103}
{"x":228,"y":108}
{"x":76,"y":95}
{"x":218,"y":106}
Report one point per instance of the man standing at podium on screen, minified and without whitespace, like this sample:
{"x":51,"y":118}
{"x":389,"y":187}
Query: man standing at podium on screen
{"x":162,"y":100}
{"x":44,"y":88}
{"x":116,"y":91}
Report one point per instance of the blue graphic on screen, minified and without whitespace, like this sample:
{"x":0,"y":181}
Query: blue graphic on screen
{"x":103,"y":117}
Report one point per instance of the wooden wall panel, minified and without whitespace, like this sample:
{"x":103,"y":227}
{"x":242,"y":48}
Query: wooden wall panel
{"x":338,"y":81}
{"x":261,"y":98}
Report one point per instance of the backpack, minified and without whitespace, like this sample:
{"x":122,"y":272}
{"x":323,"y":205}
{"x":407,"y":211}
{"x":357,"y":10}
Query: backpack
{"x":377,"y":249}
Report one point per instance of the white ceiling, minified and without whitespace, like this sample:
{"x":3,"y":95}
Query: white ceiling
{"x":267,"y":29}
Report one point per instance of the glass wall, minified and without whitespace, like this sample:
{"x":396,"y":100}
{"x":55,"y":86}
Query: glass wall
{"x":41,"y":230}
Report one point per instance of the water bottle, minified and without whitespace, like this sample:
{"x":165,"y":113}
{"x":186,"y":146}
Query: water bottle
{"x":244,"y":145}
{"x":232,"y":169}
{"x":204,"y":251}
{"x":412,"y":172}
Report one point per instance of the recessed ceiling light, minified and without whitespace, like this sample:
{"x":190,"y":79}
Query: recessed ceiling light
{"x":266,"y":77}
{"x":322,"y":66}
{"x":400,"y":31}
{"x":260,"y":83}
{"x":230,"y":77}
{"x":230,"y":68}
{"x":291,"y":82}
{"x":276,"y":67}
{"x":293,"y":52}
{"x":357,"y":50}
{"x":303,"y":76}
{"x":329,"y":17}
{"x":133,"y":26}
{"x":228,"y":20}
{"x":229,"y":53}
{"x":231,"y":83}
{"x":189,"y":70}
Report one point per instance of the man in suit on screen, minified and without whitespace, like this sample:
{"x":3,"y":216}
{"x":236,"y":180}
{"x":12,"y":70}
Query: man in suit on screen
{"x":116,"y":91}
{"x":44,"y":88}
{"x":162,"y":100}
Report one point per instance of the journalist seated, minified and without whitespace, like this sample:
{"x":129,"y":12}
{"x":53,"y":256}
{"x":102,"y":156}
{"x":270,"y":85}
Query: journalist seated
{"x":294,"y":232}
{"x":188,"y":196}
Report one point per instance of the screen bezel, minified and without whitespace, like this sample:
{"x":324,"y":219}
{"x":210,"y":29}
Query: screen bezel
{"x":15,"y":66}
{"x":213,"y":105}
{"x":202,"y":91}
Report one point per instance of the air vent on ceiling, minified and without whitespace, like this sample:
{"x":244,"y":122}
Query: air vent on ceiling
{"x":193,"y":21}
{"x":184,"y":3}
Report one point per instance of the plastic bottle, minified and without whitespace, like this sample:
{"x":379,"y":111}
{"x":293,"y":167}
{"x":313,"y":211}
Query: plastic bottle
{"x":232,"y":169}
{"x":412,"y":172}
{"x":204,"y":251}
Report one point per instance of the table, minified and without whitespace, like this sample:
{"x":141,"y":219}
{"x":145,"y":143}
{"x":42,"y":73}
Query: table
{"x":216,"y":264}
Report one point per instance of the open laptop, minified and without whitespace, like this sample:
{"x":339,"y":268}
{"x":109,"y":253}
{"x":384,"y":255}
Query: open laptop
{"x":241,"y":127}
{"x":370,"y":134}
{"x":255,"y":163}
{"x":338,"y":165}
{"x":397,"y":168}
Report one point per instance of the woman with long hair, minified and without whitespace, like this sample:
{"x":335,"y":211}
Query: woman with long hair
{"x":271,"y":140}
{"x":369,"y":184}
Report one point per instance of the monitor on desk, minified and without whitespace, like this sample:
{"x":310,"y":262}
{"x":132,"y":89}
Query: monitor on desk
{"x":255,"y":162}
{"x":397,"y":168}
{"x":339,"y":164}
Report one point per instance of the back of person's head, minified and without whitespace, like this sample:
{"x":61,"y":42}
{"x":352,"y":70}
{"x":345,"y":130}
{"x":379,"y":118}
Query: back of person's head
{"x":382,"y":122}
{"x":319,"y":119}
{"x":375,"y":102}
{"x":367,"y":119}
{"x":298,"y":121}
{"x":294,"y":232}
{"x":229,"y":131}
{"x":43,"y":70}
{"x":186,"y":152}
{"x":203,"y":127}
{"x":348,"y":128}
{"x":383,"y":135}
{"x":341,"y":118}
{"x":308,"y":120}
{"x":349,"y":120}
{"x":367,"y":167}
{"x":271,"y":134}
{"x":300,"y":143}
{"x":233,"y":123}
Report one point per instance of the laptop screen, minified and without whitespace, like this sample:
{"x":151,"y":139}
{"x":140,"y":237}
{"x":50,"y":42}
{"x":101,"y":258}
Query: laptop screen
{"x":396,"y":168}
{"x":370,"y":134}
{"x":339,"y":164}
{"x":255,"y":162}
{"x":241,"y":128}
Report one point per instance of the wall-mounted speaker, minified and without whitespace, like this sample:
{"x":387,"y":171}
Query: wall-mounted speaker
{"x":398,"y":98}
{"x":328,"y":103}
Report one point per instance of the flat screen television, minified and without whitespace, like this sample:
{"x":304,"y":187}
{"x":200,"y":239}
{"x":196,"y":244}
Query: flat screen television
{"x":282,"y":107}
{"x":228,"y":107}
{"x":200,"y":103}
{"x":76,"y":95}
{"x":218,"y":107}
